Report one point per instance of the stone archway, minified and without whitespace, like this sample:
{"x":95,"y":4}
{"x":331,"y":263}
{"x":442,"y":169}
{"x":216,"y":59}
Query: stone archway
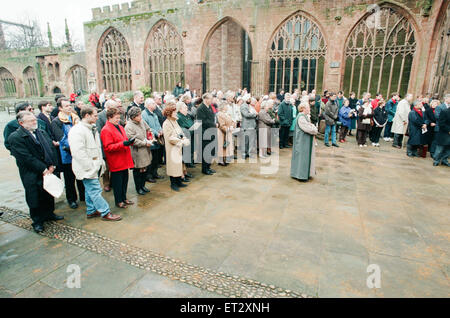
{"x":227,"y":56}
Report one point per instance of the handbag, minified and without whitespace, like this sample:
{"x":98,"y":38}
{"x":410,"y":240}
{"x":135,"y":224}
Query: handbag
{"x":322,"y":126}
{"x":160,"y":140}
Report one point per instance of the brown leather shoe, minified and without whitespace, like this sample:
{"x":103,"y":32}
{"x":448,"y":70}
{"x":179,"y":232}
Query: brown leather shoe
{"x":94,"y":215}
{"x":128,"y":202}
{"x":111,"y":217}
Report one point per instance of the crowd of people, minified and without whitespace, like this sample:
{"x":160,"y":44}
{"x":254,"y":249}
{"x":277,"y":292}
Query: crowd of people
{"x":178,"y":129}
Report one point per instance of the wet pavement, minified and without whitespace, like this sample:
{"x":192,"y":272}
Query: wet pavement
{"x":366,"y":206}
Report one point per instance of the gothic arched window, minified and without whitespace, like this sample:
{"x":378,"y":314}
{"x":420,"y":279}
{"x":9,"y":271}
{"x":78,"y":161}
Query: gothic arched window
{"x":297,"y":56}
{"x":79,"y":78}
{"x":115,"y":62}
{"x":29,"y":80}
{"x":7,"y":83}
{"x":165,"y":55}
{"x":379,"y":54}
{"x":51,"y":72}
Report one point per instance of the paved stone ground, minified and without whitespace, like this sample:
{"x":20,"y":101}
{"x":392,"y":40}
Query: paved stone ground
{"x":366,"y":206}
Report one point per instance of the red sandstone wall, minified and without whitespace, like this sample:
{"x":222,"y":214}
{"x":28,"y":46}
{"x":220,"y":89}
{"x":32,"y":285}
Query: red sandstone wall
{"x":260,"y":19}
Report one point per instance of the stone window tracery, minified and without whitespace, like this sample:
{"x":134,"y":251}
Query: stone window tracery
{"x":115,"y":62}
{"x":7,"y":83}
{"x":165,"y":56}
{"x":379,"y":54}
{"x":297,"y":56}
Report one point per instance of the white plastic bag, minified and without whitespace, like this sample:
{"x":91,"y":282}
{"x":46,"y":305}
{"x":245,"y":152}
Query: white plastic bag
{"x":53,"y":185}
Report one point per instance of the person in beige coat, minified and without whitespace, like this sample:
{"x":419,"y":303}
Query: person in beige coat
{"x":400,"y":121}
{"x":225,"y":151}
{"x":265,"y":123}
{"x":140,"y":150}
{"x":174,"y":142}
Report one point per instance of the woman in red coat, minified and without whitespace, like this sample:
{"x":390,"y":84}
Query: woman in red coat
{"x":118,"y":156}
{"x":94,"y":100}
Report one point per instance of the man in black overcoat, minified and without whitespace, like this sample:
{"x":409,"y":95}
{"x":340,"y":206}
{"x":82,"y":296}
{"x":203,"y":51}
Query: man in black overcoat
{"x":443,"y":139}
{"x":206,"y":115}
{"x":35,"y":158}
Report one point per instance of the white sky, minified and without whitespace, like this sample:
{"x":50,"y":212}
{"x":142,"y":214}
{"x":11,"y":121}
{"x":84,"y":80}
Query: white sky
{"x":54,"y":12}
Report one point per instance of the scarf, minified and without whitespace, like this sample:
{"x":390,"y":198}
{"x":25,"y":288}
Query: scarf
{"x":65,"y":119}
{"x":419,"y":111}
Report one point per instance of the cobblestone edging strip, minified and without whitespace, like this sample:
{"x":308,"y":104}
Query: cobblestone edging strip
{"x":217,"y":282}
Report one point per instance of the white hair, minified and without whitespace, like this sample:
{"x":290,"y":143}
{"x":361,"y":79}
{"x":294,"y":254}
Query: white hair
{"x":149,"y":101}
{"x":110,"y":103}
{"x":185,"y":97}
{"x":138,"y":94}
{"x":246,"y":97}
{"x":22,"y":114}
{"x":169,"y":98}
{"x":180,"y":105}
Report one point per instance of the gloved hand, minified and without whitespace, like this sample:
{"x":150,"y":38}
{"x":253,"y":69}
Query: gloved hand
{"x":67,"y":149}
{"x":129,"y":142}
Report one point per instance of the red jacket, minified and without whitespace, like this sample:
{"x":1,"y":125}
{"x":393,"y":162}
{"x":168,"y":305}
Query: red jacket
{"x":117,"y":155}
{"x":375,"y":103}
{"x":93,"y":99}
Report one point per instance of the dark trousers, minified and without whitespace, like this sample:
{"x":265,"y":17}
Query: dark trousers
{"x":119,"y":182}
{"x":371,"y":135}
{"x":139,"y":178}
{"x":376,"y":134}
{"x":191,"y":148}
{"x":343,"y":132}
{"x":361,"y":136}
{"x":175,"y":181}
{"x":412,"y":150}
{"x":441,"y":154}
{"x":398,"y":140}
{"x":69,"y":181}
{"x":152,"y":170}
{"x":45,"y":209}
{"x":207,"y":158}
{"x":387,"y":130}
{"x":284,"y":135}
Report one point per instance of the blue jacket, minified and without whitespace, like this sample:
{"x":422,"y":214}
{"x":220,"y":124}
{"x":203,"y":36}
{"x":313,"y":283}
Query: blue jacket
{"x":152,"y":121}
{"x":64,"y":148}
{"x":391,"y":108}
{"x":343,"y":116}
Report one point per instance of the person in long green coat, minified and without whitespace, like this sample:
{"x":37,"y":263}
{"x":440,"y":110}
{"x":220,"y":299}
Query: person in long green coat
{"x":303,"y":151}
